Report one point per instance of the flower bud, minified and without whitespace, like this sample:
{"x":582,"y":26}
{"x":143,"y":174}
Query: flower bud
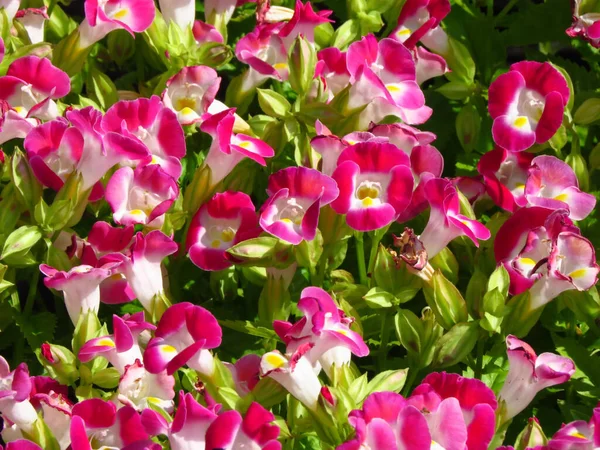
{"x":70,"y":54}
{"x":456,"y":344}
{"x":391,"y":273}
{"x":579,"y":166}
{"x":121,"y":46}
{"x":532,"y":436}
{"x":198,"y":191}
{"x":263,"y":251}
{"x":302,"y":61}
{"x":27,"y":187}
{"x":456,"y":90}
{"x":468,"y":126}
{"x":588,"y":112}
{"x":446,"y":301}
{"x":274,"y":302}
{"x":60,"y":363}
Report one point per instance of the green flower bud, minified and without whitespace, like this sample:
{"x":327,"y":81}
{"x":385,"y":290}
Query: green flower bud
{"x":588,"y":112}
{"x":468,"y":126}
{"x":302,"y":60}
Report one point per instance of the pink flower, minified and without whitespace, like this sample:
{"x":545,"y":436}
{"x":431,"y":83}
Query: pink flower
{"x":296,"y":196}
{"x":15,"y":388}
{"x":428,"y":65}
{"x":203,"y":33}
{"x":477,"y":402}
{"x":101,"y":150}
{"x":303,"y":22}
{"x":80,"y":285}
{"x":54,"y":150}
{"x":505,"y":175}
{"x":385,"y":71}
{"x":528,"y":374}
{"x":149,"y":122}
{"x":22,"y":444}
{"x":326,"y":328}
{"x":184,"y":335}
{"x":141,"y":196}
{"x":445,"y":220}
{"x":578,"y":435}
{"x":332,"y":68}
{"x":527,"y":104}
{"x":586,"y":23}
{"x":33,"y":20}
{"x":387,"y":421}
{"x":229,"y":148}
{"x":426,"y":162}
{"x":552,"y":184}
{"x":141,"y":389}
{"x":12,"y":124}
{"x":225,"y":220}
{"x":255,"y":430}
{"x":420,"y":20}
{"x":31,"y":85}
{"x":99,"y":421}
{"x":190,"y":92}
{"x":245,"y":372}
{"x":543,"y":252}
{"x":375,"y":183}
{"x":295,"y":373}
{"x":102,"y":17}
{"x":143,"y":266}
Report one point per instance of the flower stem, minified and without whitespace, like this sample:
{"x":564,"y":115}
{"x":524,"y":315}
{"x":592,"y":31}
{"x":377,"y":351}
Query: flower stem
{"x":385,"y":337}
{"x":412,"y":376}
{"x":510,"y":5}
{"x":360,"y":258}
{"x":479,"y":361}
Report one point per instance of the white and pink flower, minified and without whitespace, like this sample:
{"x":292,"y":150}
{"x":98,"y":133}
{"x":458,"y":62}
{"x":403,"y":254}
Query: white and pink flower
{"x":190,"y":92}
{"x":181,"y":12}
{"x":445,"y":220}
{"x":586,"y":22}
{"x":375,"y":184}
{"x":33,"y":20}
{"x":528,"y":374}
{"x":15,"y":407}
{"x":225,"y":220}
{"x":296,"y":195}
{"x":141,"y":196}
{"x":184,"y":336}
{"x":149,"y":122}
{"x":527,"y":104}
{"x":420,"y":20}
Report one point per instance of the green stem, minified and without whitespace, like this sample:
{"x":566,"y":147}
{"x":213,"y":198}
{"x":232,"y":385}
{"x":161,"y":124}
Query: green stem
{"x":385,"y":337}
{"x":360,"y":258}
{"x":374,"y":249}
{"x":31,"y":294}
{"x":412,"y":376}
{"x":511,"y":4}
{"x":479,"y":361}
{"x":320,"y":275}
{"x":490,"y":8}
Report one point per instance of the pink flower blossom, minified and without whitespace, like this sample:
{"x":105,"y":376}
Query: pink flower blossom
{"x":527,"y":104}
{"x":586,"y":23}
{"x":375,"y":183}
{"x":225,"y":220}
{"x":33,"y":20}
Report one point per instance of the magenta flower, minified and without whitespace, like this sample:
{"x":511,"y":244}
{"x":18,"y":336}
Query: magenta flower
{"x":102,"y":17}
{"x":585,"y":24}
{"x":426,"y":162}
{"x":295,"y":373}
{"x":385,"y":71}
{"x":375,"y":183}
{"x":387,"y":421}
{"x":33,"y":20}
{"x":204,"y":32}
{"x":54,"y":150}
{"x":245,"y":372}
{"x":552,"y":184}
{"x":505,"y":175}
{"x":22,"y":444}
{"x":31,"y":85}
{"x":296,"y":195}
{"x":303,"y":22}
{"x":578,"y":435}
{"x":184,"y":335}
{"x":190,"y":92}
{"x":528,"y":374}
{"x":143,"y":266}
{"x":229,"y":148}
{"x":445,"y":220}
{"x":543,"y":252}
{"x":477,"y":402}
{"x":429,"y":65}
{"x":13,"y":125}
{"x":101,"y":150}
{"x":15,"y":388}
{"x":100,"y":422}
{"x":141,"y":196}
{"x":527,"y":104}
{"x":149,"y":122}
{"x":80,"y":286}
{"x":225,"y":220}
{"x":255,"y":430}
{"x":332,"y":69}
{"x":326,"y":328}
{"x":120,"y":349}
{"x":419,"y":20}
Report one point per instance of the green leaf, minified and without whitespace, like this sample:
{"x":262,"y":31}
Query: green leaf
{"x":456,"y":344}
{"x":390,"y":380}
{"x":272,"y":103}
{"x":101,"y":88}
{"x":379,"y":298}
{"x":21,"y":240}
{"x":250,"y":328}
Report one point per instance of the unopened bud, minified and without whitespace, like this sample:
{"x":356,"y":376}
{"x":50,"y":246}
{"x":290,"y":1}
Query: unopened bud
{"x":302,"y":62}
{"x":468,"y":126}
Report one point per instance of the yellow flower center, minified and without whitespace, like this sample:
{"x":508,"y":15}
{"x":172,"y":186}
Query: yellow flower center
{"x":276,"y":361}
{"x":120,"y":14}
{"x":185,"y":105}
{"x":561,"y":197}
{"x":520,"y":121}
